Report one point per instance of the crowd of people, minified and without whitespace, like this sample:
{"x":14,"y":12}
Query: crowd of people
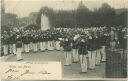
{"x":84,"y":45}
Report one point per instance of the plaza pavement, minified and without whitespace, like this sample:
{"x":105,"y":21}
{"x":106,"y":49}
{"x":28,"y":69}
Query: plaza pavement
{"x":68,"y":72}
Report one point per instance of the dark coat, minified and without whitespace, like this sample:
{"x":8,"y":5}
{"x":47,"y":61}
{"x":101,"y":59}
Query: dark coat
{"x":98,"y":43}
{"x":82,"y":48}
{"x":26,"y":39}
{"x":74,"y":44}
{"x":67,"y":45}
{"x":103,"y":40}
{"x":12,"y":39}
{"x":19,"y":42}
{"x":91,"y":46}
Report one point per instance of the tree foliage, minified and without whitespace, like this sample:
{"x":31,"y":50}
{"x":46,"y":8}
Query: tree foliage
{"x":83,"y":17}
{"x":9,"y":20}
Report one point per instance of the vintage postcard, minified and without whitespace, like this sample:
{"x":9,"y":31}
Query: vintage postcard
{"x":64,"y":39}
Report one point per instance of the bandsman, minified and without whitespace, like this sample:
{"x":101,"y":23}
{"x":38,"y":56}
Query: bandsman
{"x":83,"y":52}
{"x":5,"y":40}
{"x":26,"y":43}
{"x":75,"y":48}
{"x":67,"y":48}
{"x":35,"y":41}
{"x":57,"y":41}
{"x":91,"y":51}
{"x":19,"y":48}
{"x":31,"y":43}
{"x":98,"y":49}
{"x":50,"y":41}
{"x":12,"y":43}
{"x":103,"y":47}
{"x":42,"y":43}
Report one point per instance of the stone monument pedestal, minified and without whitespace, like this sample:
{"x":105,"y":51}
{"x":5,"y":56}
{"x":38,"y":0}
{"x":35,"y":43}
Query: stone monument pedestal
{"x":44,"y":23}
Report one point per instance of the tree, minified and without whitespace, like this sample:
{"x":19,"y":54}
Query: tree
{"x":107,"y":15}
{"x":9,"y":20}
{"x":83,"y":15}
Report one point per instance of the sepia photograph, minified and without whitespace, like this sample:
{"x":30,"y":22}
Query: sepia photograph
{"x":88,"y":38}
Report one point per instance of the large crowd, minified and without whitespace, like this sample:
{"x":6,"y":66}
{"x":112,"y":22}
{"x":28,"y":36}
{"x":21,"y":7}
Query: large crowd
{"x":85,"y":45}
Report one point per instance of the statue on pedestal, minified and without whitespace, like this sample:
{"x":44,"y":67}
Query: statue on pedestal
{"x":44,"y":22}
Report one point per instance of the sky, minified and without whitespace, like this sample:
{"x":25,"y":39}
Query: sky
{"x":24,"y":7}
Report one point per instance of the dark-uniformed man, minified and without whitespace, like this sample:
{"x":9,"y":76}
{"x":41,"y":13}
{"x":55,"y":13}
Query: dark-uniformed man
{"x":67,"y":48}
{"x":75,"y":49}
{"x":5,"y":42}
{"x":42,"y":43}
{"x":35,"y":41}
{"x":98,"y":48}
{"x":12,"y":43}
{"x":26,"y":43}
{"x":91,"y":51}
{"x":83,"y":52}
{"x":19,"y":47}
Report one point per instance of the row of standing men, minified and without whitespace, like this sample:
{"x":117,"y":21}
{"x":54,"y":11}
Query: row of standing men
{"x":88,"y":49}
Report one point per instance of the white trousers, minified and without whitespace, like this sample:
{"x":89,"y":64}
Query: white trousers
{"x":18,"y":54}
{"x":38,"y":46}
{"x":14,"y":48}
{"x":46,"y":45}
{"x":35,"y":47}
{"x":26,"y":46}
{"x":42,"y":46}
{"x":91,"y":57}
{"x":50,"y":45}
{"x":10,"y":48}
{"x":58,"y":45}
{"x":103,"y":52}
{"x":98,"y":56}
{"x":23,"y":48}
{"x":5,"y":49}
{"x":31,"y":46}
{"x":68,"y":58}
{"x":83,"y":63}
{"x":75,"y":55}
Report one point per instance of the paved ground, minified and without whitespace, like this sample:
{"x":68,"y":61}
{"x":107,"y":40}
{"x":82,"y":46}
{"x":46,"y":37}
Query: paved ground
{"x":69,"y":72}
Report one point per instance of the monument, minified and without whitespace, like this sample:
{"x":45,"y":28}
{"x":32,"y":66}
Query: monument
{"x":44,"y":22}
